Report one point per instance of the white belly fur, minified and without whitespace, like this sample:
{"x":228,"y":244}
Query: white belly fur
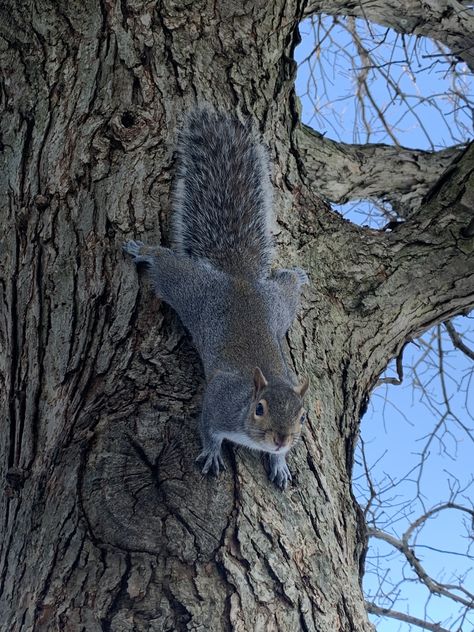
{"x":242,"y":439}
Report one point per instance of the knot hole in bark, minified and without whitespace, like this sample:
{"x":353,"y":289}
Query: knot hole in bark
{"x":128,"y":119}
{"x":134,"y":127}
{"x":141,"y":490}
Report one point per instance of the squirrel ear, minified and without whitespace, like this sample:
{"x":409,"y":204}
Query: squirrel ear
{"x":303,"y":387}
{"x":259,"y":380}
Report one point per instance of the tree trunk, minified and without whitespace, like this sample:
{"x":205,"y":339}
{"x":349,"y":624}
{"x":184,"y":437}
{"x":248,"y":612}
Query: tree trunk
{"x":107,"y":524}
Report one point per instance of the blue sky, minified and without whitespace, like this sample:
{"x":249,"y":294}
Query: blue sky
{"x":400,"y":419}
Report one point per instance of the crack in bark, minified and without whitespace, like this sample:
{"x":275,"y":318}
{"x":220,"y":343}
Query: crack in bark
{"x":119,"y":598}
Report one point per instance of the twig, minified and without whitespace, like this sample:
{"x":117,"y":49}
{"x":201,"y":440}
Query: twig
{"x":399,"y":364}
{"x":457,"y":340}
{"x":401,"y":616}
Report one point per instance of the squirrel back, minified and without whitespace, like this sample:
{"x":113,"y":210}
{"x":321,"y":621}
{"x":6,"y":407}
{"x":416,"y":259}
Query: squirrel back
{"x":222,"y":197}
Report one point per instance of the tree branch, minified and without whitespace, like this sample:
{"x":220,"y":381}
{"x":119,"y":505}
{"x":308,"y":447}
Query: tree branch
{"x":447,"y":22}
{"x":395,"y":381}
{"x":429,"y":276}
{"x":344,"y":172}
{"x":416,"y":524}
{"x":457,"y":340}
{"x":406,"y":548}
{"x":401,"y":616}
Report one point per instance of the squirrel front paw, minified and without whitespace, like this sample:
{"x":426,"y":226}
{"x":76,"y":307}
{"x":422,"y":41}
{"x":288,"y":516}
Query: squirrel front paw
{"x":213,"y":461}
{"x":279,"y":472}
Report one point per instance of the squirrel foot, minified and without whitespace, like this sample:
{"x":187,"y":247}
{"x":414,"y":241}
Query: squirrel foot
{"x":213,"y":461}
{"x":301,"y":275}
{"x":133,"y":249}
{"x":279,"y":471}
{"x":291,"y":275}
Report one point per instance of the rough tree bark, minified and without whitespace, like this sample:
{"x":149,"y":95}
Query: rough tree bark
{"x":347,"y":172}
{"x":106,"y":524}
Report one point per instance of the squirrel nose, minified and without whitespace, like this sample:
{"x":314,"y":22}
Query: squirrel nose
{"x":280,"y":440}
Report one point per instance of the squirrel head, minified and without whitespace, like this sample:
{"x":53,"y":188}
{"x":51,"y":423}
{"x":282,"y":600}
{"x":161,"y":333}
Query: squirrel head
{"x":276,"y":414}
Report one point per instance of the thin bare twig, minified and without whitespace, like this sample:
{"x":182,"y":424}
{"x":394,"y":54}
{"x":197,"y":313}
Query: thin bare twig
{"x":402,"y":616}
{"x":457,"y":340}
{"x":399,"y":364}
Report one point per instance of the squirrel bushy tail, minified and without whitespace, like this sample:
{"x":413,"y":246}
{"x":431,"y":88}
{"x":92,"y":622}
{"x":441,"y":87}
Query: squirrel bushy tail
{"x":222,"y":199}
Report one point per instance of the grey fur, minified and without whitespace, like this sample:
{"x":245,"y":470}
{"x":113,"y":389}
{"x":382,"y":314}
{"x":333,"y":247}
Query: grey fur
{"x":218,"y":280}
{"x":222,"y":194}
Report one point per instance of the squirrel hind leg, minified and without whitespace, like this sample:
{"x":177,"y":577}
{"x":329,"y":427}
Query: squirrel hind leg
{"x":291,"y":276}
{"x":134,"y":248}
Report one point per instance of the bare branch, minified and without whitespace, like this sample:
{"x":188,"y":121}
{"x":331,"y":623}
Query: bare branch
{"x":447,"y":22}
{"x":435,"y":587}
{"x":432,"y":240}
{"x":457,"y":340}
{"x":402,"y":616}
{"x":419,"y":521}
{"x":344,"y":172}
{"x":399,"y":364}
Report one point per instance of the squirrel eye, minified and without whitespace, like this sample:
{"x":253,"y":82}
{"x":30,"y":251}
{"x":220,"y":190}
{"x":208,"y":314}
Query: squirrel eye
{"x":259,"y":410}
{"x":303,"y":418}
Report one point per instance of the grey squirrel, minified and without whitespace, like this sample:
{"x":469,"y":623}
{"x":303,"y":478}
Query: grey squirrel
{"x":217,"y":277}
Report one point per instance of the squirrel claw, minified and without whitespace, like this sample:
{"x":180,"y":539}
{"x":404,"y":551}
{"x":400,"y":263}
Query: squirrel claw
{"x":301,"y":275}
{"x":133,"y":248}
{"x":291,"y":276}
{"x":279,"y":472}
{"x":213,"y":462}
